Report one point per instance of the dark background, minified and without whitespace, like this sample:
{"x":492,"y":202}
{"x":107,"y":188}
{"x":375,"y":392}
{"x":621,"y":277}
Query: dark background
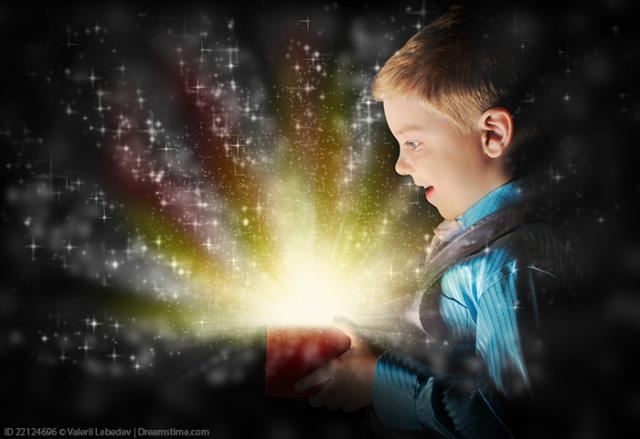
{"x":599,"y":142}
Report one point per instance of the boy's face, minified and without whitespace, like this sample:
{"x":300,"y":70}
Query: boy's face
{"x":451,"y":166}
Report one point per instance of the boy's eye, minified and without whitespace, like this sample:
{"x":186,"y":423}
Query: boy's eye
{"x":413,"y":144}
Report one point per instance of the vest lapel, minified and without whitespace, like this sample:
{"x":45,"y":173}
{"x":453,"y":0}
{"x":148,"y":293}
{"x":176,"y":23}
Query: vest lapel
{"x":468,"y":244}
{"x":481,"y":234}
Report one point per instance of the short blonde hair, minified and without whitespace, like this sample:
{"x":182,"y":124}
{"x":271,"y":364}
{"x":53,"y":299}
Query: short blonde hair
{"x":455,"y":68}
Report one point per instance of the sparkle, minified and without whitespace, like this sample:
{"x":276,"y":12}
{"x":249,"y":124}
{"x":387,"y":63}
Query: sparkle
{"x":422,"y":12}
{"x":306,"y":21}
{"x":93,"y":323}
{"x":516,"y":306}
{"x":203,"y":51}
{"x":95,"y":198}
{"x":69,"y":44}
{"x":93,"y":78}
{"x":33,"y":247}
{"x":85,"y":347}
{"x":104,"y":216}
{"x":114,"y":355}
{"x":232,"y":53}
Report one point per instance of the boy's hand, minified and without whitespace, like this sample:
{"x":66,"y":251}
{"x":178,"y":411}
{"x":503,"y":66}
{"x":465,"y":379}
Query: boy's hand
{"x":348,"y":378}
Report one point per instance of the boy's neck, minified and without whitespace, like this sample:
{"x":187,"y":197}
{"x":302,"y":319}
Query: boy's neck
{"x":485,"y":187}
{"x":500,"y":193}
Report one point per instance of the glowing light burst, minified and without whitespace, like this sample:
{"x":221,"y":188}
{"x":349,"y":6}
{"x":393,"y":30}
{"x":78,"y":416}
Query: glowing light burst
{"x":241,"y":204}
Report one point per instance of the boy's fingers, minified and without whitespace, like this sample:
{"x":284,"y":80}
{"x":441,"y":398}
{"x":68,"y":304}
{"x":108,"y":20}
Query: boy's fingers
{"x":318,"y":400}
{"x":349,"y":328}
{"x":328,"y":396}
{"x":320,"y":376}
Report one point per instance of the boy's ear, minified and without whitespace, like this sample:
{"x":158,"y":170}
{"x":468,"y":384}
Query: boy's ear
{"x":496,"y":126}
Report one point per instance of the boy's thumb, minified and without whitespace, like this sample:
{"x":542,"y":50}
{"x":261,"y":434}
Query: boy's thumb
{"x":346,"y":326}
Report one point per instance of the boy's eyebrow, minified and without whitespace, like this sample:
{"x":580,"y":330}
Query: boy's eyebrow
{"x":406,"y":128}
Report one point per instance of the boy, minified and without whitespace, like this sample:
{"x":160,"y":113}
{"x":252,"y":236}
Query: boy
{"x":497,"y":270}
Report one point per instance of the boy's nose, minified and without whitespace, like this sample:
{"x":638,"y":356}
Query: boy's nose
{"x":402,"y":167}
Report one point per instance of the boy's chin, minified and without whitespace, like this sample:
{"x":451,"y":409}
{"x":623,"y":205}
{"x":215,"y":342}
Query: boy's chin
{"x":445,"y":213}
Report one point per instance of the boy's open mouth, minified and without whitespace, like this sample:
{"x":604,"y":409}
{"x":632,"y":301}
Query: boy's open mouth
{"x":428,"y":191}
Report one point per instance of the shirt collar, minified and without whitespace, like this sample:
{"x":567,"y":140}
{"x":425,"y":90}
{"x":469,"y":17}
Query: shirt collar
{"x":494,"y":200}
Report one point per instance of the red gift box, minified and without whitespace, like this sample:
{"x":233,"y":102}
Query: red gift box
{"x":295,"y":352}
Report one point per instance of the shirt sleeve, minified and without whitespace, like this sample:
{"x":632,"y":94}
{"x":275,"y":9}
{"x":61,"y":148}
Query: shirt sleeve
{"x":408,"y":394}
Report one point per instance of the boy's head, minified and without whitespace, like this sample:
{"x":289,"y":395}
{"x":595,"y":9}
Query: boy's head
{"x":448,"y":99}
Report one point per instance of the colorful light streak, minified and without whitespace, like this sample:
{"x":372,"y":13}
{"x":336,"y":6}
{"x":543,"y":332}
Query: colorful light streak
{"x":242,"y":204}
